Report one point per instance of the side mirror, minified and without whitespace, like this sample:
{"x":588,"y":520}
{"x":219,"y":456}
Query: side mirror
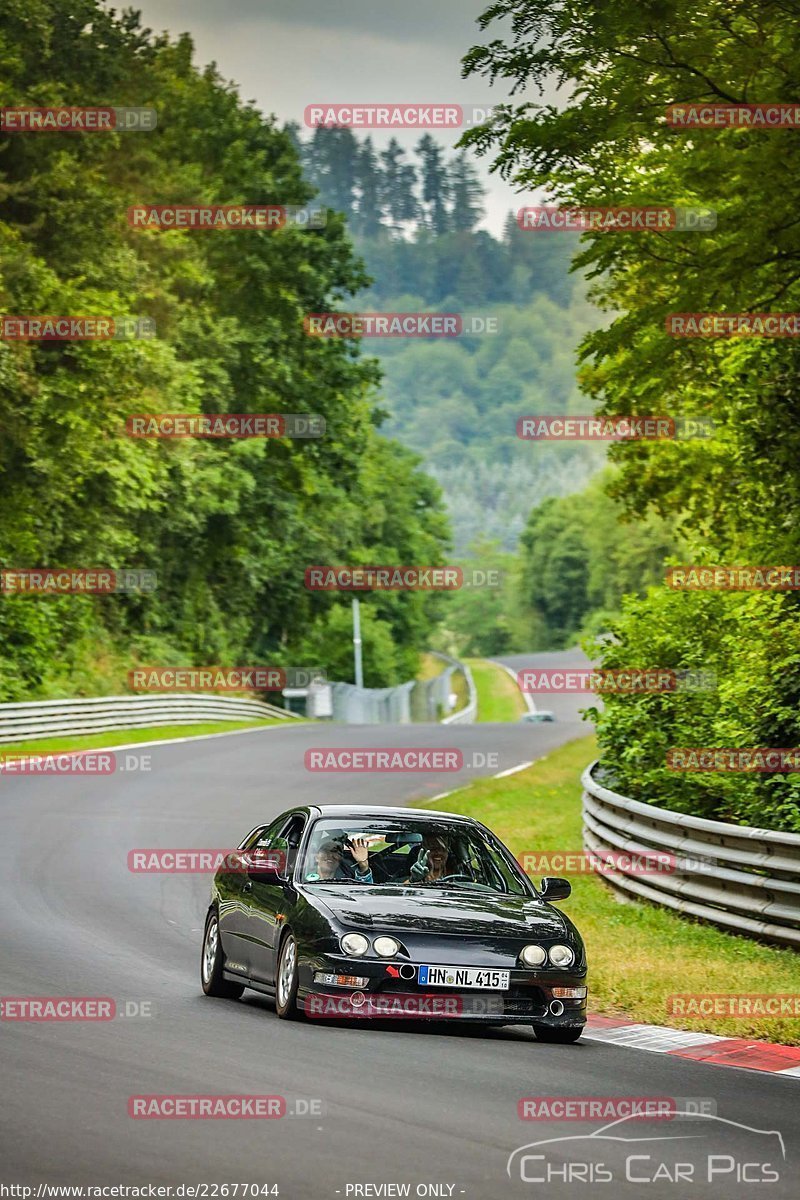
{"x":554,"y":888}
{"x":269,"y":864}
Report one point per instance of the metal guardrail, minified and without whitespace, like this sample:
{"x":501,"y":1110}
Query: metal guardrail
{"x":467,"y":715}
{"x":735,"y":876}
{"x":418,"y":700}
{"x":59,"y":718}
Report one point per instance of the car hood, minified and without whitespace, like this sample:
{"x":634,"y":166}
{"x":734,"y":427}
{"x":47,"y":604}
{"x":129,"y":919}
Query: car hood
{"x":439,"y":911}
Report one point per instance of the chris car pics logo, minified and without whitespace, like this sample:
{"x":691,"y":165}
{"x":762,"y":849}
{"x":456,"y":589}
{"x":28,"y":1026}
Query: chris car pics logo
{"x":700,"y":1148}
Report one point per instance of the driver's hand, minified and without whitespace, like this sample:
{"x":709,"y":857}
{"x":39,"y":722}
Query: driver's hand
{"x":360,"y":851}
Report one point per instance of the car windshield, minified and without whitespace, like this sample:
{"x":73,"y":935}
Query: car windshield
{"x":407,"y":853}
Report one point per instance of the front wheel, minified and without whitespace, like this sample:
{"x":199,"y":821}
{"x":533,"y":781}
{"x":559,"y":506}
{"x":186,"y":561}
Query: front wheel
{"x":211,"y":964}
{"x":549,"y":1033}
{"x":288,"y":980}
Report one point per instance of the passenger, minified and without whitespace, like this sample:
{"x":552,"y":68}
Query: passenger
{"x":434,"y":860}
{"x":331,"y":863}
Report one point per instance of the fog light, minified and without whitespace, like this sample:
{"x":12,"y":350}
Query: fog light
{"x":561,"y":956}
{"x":355,"y":944}
{"x":533,"y":956}
{"x":348,"y":981}
{"x":574,"y":993}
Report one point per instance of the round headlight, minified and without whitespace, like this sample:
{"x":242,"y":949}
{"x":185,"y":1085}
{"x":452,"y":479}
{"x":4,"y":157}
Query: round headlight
{"x":385,"y":947}
{"x":355,"y":944}
{"x":533,"y":956}
{"x":561,"y":956}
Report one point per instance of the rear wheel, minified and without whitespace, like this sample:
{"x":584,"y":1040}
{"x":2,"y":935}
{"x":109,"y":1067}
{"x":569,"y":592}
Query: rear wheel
{"x":549,"y":1033}
{"x":211,"y":964}
{"x":287,"y":980}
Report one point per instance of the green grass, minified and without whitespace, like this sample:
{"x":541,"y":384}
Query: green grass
{"x":123,"y":737}
{"x":499,"y":698}
{"x":639,"y":954}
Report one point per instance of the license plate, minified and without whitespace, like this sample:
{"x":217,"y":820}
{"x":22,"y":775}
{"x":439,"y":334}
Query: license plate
{"x":463,"y":977}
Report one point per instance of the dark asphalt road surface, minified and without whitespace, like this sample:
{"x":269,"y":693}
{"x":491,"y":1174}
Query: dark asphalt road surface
{"x":417,"y":1105}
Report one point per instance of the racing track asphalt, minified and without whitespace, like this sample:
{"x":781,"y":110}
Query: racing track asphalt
{"x":412,"y":1104}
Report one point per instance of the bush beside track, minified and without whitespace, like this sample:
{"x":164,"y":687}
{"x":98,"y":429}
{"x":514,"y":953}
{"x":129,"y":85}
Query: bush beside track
{"x":639,"y":955}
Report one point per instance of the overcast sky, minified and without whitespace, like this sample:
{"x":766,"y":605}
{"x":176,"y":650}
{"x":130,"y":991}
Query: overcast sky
{"x":285,"y":54}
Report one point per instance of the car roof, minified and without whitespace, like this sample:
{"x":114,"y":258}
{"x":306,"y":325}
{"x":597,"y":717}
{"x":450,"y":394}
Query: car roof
{"x":354,"y":811}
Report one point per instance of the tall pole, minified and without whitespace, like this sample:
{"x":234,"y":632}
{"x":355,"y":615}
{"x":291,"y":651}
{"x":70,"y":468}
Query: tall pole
{"x":357,"y":643}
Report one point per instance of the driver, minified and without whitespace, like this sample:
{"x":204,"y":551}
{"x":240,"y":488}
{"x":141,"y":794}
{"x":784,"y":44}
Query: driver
{"x":331,"y":863}
{"x":434,"y":861}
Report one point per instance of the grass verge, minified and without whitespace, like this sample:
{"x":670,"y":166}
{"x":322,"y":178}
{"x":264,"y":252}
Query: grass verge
{"x":125,"y":737}
{"x":499,"y":698}
{"x":639,"y":954}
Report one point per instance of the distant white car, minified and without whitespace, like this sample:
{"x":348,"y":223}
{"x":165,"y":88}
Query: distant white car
{"x":541,"y":714}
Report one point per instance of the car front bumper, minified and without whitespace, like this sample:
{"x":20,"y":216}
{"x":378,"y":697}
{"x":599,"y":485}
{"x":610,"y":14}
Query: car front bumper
{"x":530,"y":998}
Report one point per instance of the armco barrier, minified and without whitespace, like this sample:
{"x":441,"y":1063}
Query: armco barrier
{"x":58,"y":718}
{"x":418,"y":700}
{"x":468,"y":714}
{"x":735,"y":876}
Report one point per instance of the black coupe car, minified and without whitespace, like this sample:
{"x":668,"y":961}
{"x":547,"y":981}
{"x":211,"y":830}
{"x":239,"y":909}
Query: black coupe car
{"x":365,"y":911}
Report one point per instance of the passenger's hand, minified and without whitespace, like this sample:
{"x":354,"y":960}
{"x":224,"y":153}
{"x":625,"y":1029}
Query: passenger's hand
{"x":360,"y":852}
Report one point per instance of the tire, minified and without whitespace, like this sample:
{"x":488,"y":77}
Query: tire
{"x":287,"y":979}
{"x":562,"y":1037}
{"x":212,"y":961}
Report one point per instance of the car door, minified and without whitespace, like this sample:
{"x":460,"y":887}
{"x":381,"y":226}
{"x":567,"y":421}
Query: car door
{"x":269,"y":902}
{"x":235,"y":901}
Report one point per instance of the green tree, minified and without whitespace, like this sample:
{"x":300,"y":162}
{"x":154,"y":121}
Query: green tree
{"x":435,"y":185}
{"x":229,"y":527}
{"x":467,"y":193}
{"x":737,"y":495}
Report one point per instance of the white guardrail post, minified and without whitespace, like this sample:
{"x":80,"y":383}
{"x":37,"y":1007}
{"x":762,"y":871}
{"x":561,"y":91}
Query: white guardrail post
{"x":103,"y":714}
{"x":735,"y":876}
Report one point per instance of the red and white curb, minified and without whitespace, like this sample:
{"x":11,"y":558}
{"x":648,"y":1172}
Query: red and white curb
{"x":708,"y":1048}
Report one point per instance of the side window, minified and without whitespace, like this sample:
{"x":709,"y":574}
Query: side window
{"x":262,"y":838}
{"x":292,"y":833}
